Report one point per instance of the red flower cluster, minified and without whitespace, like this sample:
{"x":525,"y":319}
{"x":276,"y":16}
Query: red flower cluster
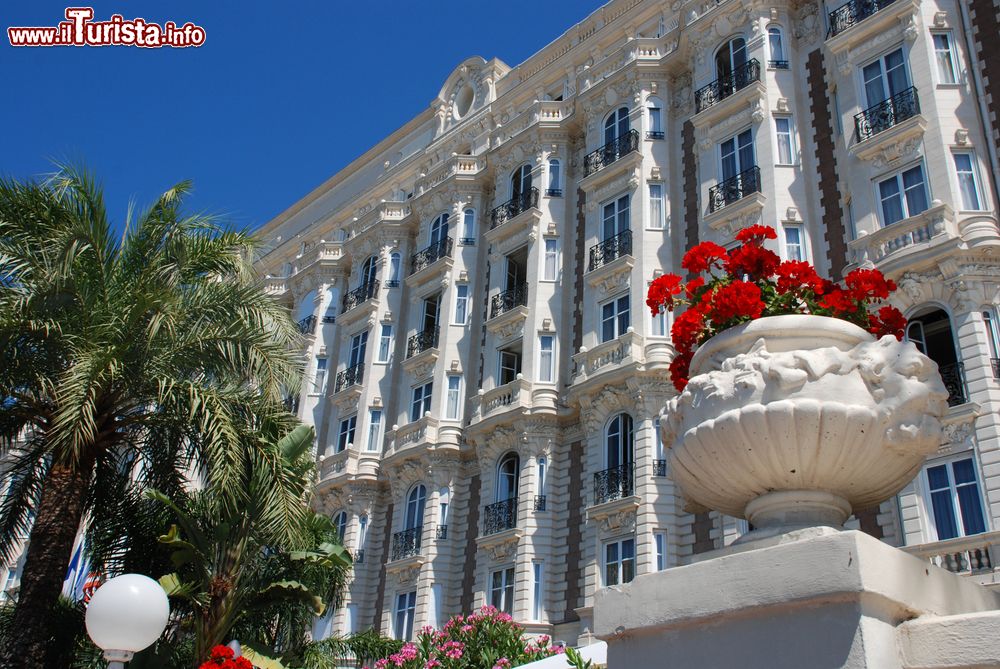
{"x":754,"y":282}
{"x":222,"y":657}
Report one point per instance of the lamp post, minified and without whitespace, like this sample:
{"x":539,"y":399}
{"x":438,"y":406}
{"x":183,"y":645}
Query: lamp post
{"x":126,"y":615}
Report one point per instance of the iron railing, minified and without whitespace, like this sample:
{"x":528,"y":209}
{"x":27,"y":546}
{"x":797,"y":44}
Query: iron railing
{"x":614,"y":483}
{"x":734,"y":189}
{"x":885,"y":114}
{"x":953,"y":376}
{"x":423,"y":340}
{"x":307,"y":325}
{"x":995,"y":362}
{"x":655,"y":134}
{"x":329,"y":318}
{"x":778,"y":64}
{"x":723,"y":87}
{"x":351,"y":376}
{"x":553,"y":192}
{"x":466,"y":241}
{"x":406,"y":543}
{"x":360,"y":295}
{"x":509,"y":299}
{"x":500,"y":516}
{"x":659,"y":467}
{"x":610,"y":152}
{"x":516,"y":205}
{"x":539,"y":502}
{"x":852,"y":12}
{"x":359,"y":556}
{"x":442,"y":532}
{"x":611,"y":249}
{"x":392,"y":283}
{"x":430,"y":255}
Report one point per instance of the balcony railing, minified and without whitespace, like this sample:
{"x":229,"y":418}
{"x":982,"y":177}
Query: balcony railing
{"x":995,"y":363}
{"x":610,"y":152}
{"x":406,"y":543}
{"x":655,"y":134}
{"x":723,"y":87}
{"x":509,"y":299}
{"x":539,"y":502}
{"x":360,"y":295}
{"x":953,"y":376}
{"x":466,"y":241}
{"x":329,"y":318}
{"x":614,"y":483}
{"x":422,"y":341}
{"x":734,"y":189}
{"x":659,"y":467}
{"x":430,"y":255}
{"x":307,"y":325}
{"x":886,"y":114}
{"x":500,"y":516}
{"x":611,"y":249}
{"x":778,"y":64}
{"x":351,"y":376}
{"x":969,"y":555}
{"x":553,"y":192}
{"x":442,"y":532}
{"x":852,"y":12}
{"x":516,"y":205}
{"x":359,"y":556}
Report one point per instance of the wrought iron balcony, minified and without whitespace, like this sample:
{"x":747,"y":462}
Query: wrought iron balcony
{"x":852,"y":12}
{"x":466,"y":241}
{"x":500,"y":516}
{"x":392,"y":283}
{"x":514,"y":206}
{"x":723,"y":87}
{"x":659,"y":467}
{"x":614,"y":150}
{"x":614,"y":483}
{"x":406,"y":543}
{"x":611,"y":249}
{"x":359,"y":556}
{"x":307,"y":325}
{"x":351,"y":376}
{"x":884,"y":115}
{"x":953,"y":376}
{"x":430,"y":255}
{"x":995,"y":362}
{"x":778,"y":64}
{"x":509,"y":299}
{"x":329,"y":318}
{"x":734,"y":189}
{"x":553,"y":192}
{"x":360,"y":295}
{"x":655,"y":134}
{"x":442,"y":532}
{"x":539,"y":502}
{"x":423,"y":340}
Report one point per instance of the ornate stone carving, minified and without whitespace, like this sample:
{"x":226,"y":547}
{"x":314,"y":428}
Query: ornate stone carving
{"x":615,"y":282}
{"x":806,"y":24}
{"x":619,"y":522}
{"x":895,"y":150}
{"x":503,"y":551}
{"x":408,"y":574}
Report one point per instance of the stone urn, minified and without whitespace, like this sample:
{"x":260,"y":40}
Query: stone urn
{"x":795,"y":421}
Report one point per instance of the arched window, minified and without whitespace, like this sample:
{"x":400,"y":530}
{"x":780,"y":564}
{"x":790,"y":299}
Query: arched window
{"x":555,"y":178}
{"x":368,"y":271}
{"x":340,"y":523}
{"x":394,"y":268}
{"x":654,"y":110}
{"x":520,"y":181}
{"x":415,"y":502}
{"x":776,"y":49}
{"x":508,"y":472}
{"x":620,"y":441}
{"x":730,"y":58}
{"x":616,"y":125}
{"x":930,"y":331}
{"x":439,"y":229}
{"x":469,"y":227}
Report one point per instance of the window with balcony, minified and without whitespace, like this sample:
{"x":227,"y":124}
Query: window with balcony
{"x":783,"y":137}
{"x":333,"y":299}
{"x":657,"y":218}
{"x":616,"y":233}
{"x":955,"y":500}
{"x":508,"y":476}
{"x":515,"y":286}
{"x":852,"y":12}
{"x":654,"y":112}
{"x":502,"y":590}
{"x":340,"y":524}
{"x":438,"y":229}
{"x":890,"y":97}
{"x":359,"y":550}
{"x":617,"y":481}
{"x":777,"y":60}
{"x":439,"y":245}
{"x":468,"y":228}
{"x":931,"y":332}
{"x":374,"y":443}
{"x":968,"y":180}
{"x":555,"y":178}
{"x":319,"y":383}
{"x":619,"y":141}
{"x":345,"y":436}
{"x":523,"y":196}
{"x":550,"y":261}
{"x":406,"y":606}
{"x":615,"y":318}
{"x":733,"y":72}
{"x":944,"y":56}
{"x":520,"y":181}
{"x":395,"y":268}
{"x":369,"y":271}
{"x":792,"y":239}
{"x":619,"y":562}
{"x":359,"y":345}
{"x":444,"y":504}
{"x":416,"y":502}
{"x":427,"y":337}
{"x":509,"y":363}
{"x":420,"y":401}
{"x":616,"y":125}
{"x":502,"y":514}
{"x":902,"y":195}
{"x":385,"y":343}
{"x":546,"y":358}
{"x":453,"y":405}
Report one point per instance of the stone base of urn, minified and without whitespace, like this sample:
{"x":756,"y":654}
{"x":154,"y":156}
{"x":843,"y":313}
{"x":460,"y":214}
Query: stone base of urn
{"x":815,"y":598}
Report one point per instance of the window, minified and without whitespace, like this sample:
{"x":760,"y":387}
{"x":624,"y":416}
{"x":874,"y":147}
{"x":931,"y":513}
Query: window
{"x":660,"y":327}
{"x":550,"y":263}
{"x":993,"y":335}
{"x":555,"y":178}
{"x":737,"y":154}
{"x":394,"y":268}
{"x":461,"y":303}
{"x":415,"y":503}
{"x":520,"y":181}
{"x":616,"y":125}
{"x":509,"y":363}
{"x":546,"y":358}
{"x":783,"y":131}
{"x":362,"y":533}
{"x":438,"y":230}
{"x":885,"y":77}
{"x":656,"y":217}
{"x":385,"y":343}
{"x":655,"y":110}
{"x":454,"y":396}
{"x":421,"y":402}
{"x":359,"y":344}
{"x":374,"y":431}
{"x":444,"y":498}
{"x":368,"y":271}
{"x":793,"y":242}
{"x":320,"y":383}
{"x":406,"y":604}
{"x":619,"y":562}
{"x":730,"y":58}
{"x":537,"y":592}
{"x":902,"y":195}
{"x":614,"y":318}
{"x":616,"y":217}
{"x":502,"y":590}
{"x":658,"y":438}
{"x":340,"y":524}
{"x":955,"y":500}
{"x":508,"y":474}
{"x":968,"y":183}
{"x":945,"y":58}
{"x":541,"y":475}
{"x":620,"y":441}
{"x":776,"y":49}
{"x":469,"y":227}
{"x":346,"y":435}
{"x":660,"y":539}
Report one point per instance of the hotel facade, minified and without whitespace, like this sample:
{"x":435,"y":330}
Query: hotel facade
{"x":483,"y":374}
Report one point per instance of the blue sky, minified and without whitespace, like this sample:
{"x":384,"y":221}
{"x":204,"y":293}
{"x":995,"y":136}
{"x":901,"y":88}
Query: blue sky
{"x":280,"y":97}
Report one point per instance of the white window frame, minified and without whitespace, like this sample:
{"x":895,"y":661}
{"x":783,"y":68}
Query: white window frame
{"x":547,"y":372}
{"x":656,"y":222}
{"x":426,"y":395}
{"x":660,"y":548}
{"x":550,"y":259}
{"x":660,"y":325}
{"x":952,"y":57}
{"x":989,"y":316}
{"x":502,"y":597}
{"x":395,"y":268}
{"x":616,"y":318}
{"x":554,"y":177}
{"x":469,"y":226}
{"x":363,"y":523}
{"x":976,"y":181}
{"x":898,"y":175}
{"x":374,"y":444}
{"x":605,"y":563}
{"x":865,"y":103}
{"x":462,"y":303}
{"x":384,"y":343}
{"x":927,"y":501}
{"x":340,"y":521}
{"x":319,"y":382}
{"x":346,"y":432}
{"x":453,"y":403}
{"x":781,"y":44}
{"x":541,"y":466}
{"x":406,"y":606}
{"x":791,"y":141}
{"x":654,"y":114}
{"x":444,"y":502}
{"x":620,"y":208}
{"x":803,"y":255}
{"x":537,"y":590}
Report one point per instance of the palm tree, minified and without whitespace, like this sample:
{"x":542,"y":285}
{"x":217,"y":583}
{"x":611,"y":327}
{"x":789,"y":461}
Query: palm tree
{"x":134,"y":359}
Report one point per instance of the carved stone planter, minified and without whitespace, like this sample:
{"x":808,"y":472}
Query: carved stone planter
{"x":795,"y":421}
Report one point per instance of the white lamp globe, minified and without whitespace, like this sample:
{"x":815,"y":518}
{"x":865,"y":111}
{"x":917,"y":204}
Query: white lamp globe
{"x":127,"y":614}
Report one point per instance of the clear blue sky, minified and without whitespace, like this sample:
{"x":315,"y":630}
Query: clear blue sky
{"x":280,"y":97}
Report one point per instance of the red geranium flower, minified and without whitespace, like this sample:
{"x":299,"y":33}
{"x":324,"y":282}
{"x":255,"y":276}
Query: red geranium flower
{"x":868,"y":284}
{"x":679,"y":369}
{"x":703,"y":257}
{"x":889,"y":321}
{"x":839,"y":301}
{"x":693,"y":285}
{"x":687,"y":328}
{"x":796,"y":274}
{"x":662,"y":291}
{"x":756,"y":234}
{"x":754,"y":261}
{"x":740,"y":299}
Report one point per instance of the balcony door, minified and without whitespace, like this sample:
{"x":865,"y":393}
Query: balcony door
{"x":509,"y":363}
{"x":730,"y":58}
{"x":885,"y":77}
{"x":359,"y":343}
{"x":620,"y":441}
{"x":617,"y":125}
{"x":616,"y":218}
{"x":508,"y":472}
{"x":432,"y":313}
{"x":368,"y":272}
{"x":931,"y":333}
{"x":516,"y":264}
{"x":415,"y":503}
{"x":439,"y":229}
{"x":520,"y":181}
{"x":737,"y":154}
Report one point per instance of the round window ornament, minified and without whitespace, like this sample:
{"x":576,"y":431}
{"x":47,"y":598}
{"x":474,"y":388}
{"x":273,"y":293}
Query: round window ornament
{"x":463,"y":100}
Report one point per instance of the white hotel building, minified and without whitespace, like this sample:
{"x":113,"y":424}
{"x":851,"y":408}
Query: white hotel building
{"x":482,"y":371}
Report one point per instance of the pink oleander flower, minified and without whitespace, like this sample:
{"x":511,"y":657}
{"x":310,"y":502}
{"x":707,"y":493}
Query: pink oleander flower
{"x":502,"y":663}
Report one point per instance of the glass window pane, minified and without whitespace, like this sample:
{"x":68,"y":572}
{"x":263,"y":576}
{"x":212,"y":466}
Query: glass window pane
{"x":972,"y":509}
{"x":944,"y":515}
{"x":774,"y":42}
{"x":892,"y":205}
{"x":937,"y":477}
{"x":628,"y":570}
{"x":628,"y":549}
{"x":964,"y":472}
{"x":916,"y":193}
{"x":946,"y":67}
{"x":611,"y":553}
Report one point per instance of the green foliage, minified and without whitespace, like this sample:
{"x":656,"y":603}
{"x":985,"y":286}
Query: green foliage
{"x":576,"y":660}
